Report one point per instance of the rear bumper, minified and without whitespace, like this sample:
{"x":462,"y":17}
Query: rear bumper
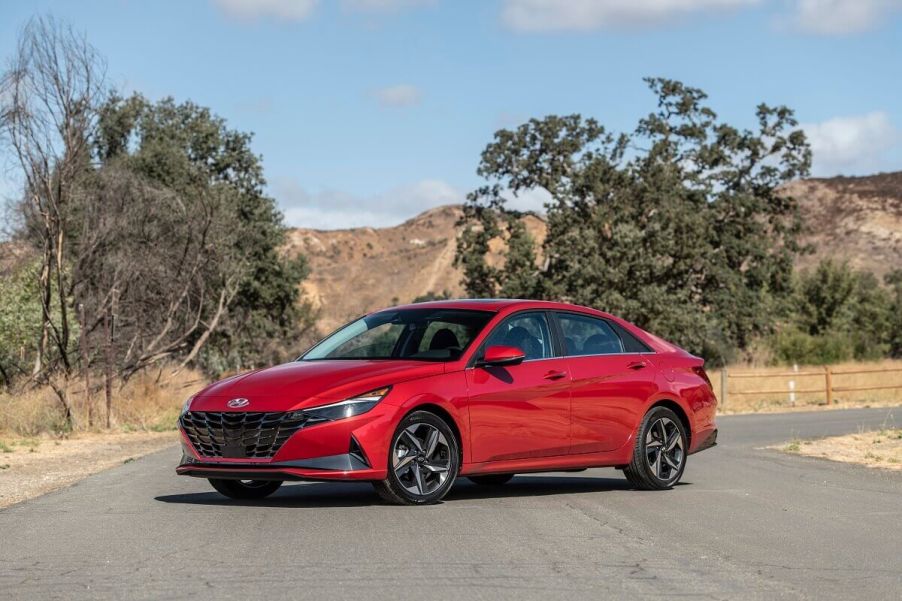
{"x":708,"y":440}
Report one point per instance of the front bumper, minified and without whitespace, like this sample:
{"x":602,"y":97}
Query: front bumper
{"x":334,"y":467}
{"x":354,"y":448}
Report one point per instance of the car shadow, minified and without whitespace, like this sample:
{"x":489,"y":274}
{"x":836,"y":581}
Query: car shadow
{"x":356,"y":494}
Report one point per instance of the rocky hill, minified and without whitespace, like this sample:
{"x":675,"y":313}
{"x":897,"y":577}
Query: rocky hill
{"x":357,"y":270}
{"x":858,"y":219}
{"x":360,"y":269}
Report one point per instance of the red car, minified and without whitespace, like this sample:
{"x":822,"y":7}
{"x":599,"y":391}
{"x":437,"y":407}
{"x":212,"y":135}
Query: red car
{"x":412,"y":397}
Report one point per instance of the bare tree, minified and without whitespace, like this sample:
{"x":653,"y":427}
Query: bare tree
{"x":171,"y":265}
{"x":49,"y":100}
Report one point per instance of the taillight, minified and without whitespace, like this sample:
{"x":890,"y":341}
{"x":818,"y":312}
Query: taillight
{"x":700,"y":372}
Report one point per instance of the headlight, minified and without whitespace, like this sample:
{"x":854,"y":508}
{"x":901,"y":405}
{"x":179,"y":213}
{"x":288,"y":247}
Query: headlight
{"x":348,"y":408}
{"x":186,"y":406}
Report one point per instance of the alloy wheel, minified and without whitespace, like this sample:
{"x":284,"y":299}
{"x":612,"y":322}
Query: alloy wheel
{"x":664,"y":451}
{"x":421,"y":459}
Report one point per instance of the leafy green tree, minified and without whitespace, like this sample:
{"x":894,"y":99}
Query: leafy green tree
{"x":838,"y":314}
{"x":480,"y":227}
{"x":521,"y":275}
{"x":183,"y":161}
{"x":825,"y":297}
{"x":20,"y":319}
{"x":677,"y":226}
{"x":894,"y":280}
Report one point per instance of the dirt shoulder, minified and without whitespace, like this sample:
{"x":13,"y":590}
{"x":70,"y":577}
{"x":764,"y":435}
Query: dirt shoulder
{"x":30,"y":467}
{"x":787,"y":408}
{"x":881,"y":449}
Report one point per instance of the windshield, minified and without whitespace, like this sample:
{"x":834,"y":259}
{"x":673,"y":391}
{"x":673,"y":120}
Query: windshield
{"x":420,"y":334}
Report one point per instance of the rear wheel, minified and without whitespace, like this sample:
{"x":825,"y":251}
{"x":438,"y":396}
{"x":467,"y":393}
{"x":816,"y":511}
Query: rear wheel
{"x":491,"y":479}
{"x":423,"y":461}
{"x":659,"y":456}
{"x":245,"y":489}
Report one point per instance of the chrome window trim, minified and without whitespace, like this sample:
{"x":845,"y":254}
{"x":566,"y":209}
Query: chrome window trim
{"x":562,"y":358}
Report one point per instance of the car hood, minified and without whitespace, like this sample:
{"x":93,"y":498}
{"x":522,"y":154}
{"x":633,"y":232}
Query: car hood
{"x":302,"y":384}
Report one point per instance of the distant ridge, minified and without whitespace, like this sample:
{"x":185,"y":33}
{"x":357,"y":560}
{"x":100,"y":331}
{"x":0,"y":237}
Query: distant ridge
{"x":355,"y":270}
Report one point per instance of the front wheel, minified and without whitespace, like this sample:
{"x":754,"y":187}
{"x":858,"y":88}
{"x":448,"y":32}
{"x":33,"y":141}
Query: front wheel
{"x":423,"y":461}
{"x":659,"y":456}
{"x":245,"y":489}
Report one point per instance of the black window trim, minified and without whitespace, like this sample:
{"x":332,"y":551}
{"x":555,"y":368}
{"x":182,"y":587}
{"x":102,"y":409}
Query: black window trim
{"x":559,"y":331}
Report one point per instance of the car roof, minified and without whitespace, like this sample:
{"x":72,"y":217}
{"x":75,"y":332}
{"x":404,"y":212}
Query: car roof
{"x":498,"y":304}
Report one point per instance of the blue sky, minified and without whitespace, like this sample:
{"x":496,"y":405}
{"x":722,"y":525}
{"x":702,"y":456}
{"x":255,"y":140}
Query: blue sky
{"x":367,"y":112}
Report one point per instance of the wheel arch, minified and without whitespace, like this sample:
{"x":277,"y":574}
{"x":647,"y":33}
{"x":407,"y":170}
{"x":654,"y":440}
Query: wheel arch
{"x":447,"y":417}
{"x":680,"y":413}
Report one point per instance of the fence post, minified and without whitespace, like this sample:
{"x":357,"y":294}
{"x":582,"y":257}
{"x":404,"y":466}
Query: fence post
{"x":828,"y":383}
{"x":723,"y":387}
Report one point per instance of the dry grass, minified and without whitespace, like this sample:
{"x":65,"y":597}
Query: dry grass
{"x":874,"y":449}
{"x":149,"y":401}
{"x":764,"y":390}
{"x":30,"y":467}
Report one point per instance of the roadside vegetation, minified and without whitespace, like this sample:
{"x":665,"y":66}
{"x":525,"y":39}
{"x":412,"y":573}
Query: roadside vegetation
{"x":143,"y":256}
{"x":142,"y":243}
{"x":681,"y":226}
{"x":880,"y":449}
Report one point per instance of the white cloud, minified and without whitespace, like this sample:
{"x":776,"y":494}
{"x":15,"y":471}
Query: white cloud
{"x":851,"y":145}
{"x":587,"y":15}
{"x":280,"y":10}
{"x":533,"y":200}
{"x":384,"y":6}
{"x":399,"y":95}
{"x":337,"y":210}
{"x":840,"y":17}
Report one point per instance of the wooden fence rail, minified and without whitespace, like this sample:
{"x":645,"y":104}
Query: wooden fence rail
{"x":810,"y":381}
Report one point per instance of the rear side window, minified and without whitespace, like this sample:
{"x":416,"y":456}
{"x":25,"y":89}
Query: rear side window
{"x":631,"y":344}
{"x":584,"y":335}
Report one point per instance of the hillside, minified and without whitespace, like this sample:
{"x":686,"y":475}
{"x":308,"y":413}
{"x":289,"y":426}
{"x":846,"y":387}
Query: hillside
{"x":360,"y":269}
{"x":356,"y":270}
{"x":858,"y":219}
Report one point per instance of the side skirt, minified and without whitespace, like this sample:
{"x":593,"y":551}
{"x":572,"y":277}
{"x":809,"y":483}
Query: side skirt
{"x":559,"y":463}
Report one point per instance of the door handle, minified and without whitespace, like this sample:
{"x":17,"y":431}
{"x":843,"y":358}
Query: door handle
{"x":637,"y":365}
{"x":555,"y":375}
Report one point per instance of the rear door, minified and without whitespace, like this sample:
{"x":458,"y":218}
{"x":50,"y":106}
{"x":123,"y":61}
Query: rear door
{"x":520,"y":411}
{"x":612,"y":376}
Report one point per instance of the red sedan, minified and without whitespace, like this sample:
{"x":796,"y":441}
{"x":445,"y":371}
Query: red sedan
{"x":412,"y":397}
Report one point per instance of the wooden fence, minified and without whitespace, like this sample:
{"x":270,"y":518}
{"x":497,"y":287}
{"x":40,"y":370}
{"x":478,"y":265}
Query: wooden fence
{"x":741,"y":388}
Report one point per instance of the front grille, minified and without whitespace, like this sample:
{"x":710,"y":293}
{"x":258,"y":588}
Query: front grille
{"x":240,"y":435}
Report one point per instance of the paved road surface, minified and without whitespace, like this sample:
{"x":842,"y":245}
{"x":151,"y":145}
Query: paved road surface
{"x":746,"y":524}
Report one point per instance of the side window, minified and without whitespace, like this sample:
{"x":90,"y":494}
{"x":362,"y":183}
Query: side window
{"x":527,"y":331}
{"x":631,"y":344}
{"x":584,"y":335}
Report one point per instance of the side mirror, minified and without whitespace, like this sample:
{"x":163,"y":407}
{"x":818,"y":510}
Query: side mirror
{"x":499,"y":355}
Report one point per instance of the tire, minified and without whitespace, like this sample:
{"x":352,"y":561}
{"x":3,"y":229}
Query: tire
{"x":659,"y":456}
{"x":423,"y":461}
{"x":246,"y":489}
{"x":491,"y":479}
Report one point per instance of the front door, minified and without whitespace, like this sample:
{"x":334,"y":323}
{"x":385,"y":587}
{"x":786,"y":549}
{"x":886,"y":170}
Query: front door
{"x":520,"y":411}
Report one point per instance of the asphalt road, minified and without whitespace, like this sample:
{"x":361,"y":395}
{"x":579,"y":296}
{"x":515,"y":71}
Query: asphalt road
{"x":746,"y":523}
